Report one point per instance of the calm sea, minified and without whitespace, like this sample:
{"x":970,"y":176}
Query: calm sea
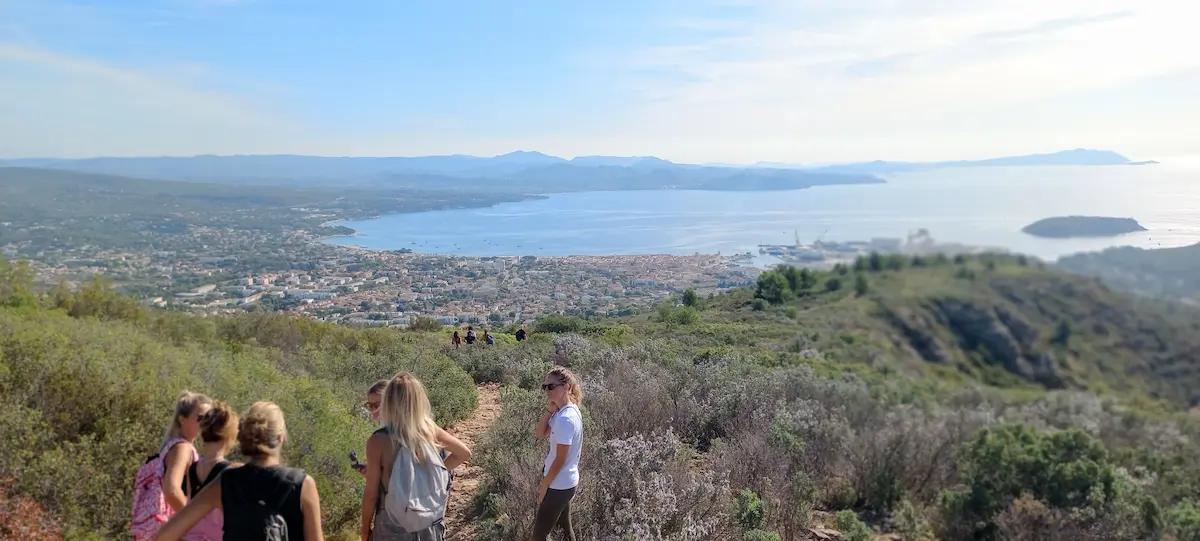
{"x":979,"y":206}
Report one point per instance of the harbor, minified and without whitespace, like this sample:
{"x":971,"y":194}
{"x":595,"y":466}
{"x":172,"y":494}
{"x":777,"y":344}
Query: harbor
{"x":826,"y":253}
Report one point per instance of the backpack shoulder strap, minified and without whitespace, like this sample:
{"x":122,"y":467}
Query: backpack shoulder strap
{"x":166,"y":449}
{"x":192,"y":482}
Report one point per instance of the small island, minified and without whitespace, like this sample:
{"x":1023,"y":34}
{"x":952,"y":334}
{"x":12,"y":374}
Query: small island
{"x":1065,"y":227}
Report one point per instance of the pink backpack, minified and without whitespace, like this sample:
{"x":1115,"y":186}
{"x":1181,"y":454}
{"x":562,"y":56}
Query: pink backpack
{"x":150,"y":509}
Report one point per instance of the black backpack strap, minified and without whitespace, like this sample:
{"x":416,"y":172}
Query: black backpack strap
{"x":193,"y":480}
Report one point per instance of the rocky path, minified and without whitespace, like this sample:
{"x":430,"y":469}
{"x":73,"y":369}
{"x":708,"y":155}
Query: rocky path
{"x":469,"y":477}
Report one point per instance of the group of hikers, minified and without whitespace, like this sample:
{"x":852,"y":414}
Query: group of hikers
{"x":457,"y":340}
{"x":199,"y":495}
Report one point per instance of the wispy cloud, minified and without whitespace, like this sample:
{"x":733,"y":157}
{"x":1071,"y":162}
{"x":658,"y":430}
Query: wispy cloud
{"x":880,"y":68}
{"x":58,"y":104}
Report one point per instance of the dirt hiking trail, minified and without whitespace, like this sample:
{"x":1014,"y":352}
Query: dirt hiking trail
{"x":468,"y":478}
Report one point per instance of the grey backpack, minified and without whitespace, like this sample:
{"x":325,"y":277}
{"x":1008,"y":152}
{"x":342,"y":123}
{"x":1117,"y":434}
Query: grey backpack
{"x":418,"y":491}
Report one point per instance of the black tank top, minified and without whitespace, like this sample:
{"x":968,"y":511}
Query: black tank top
{"x":194,"y":483}
{"x":277,"y":487}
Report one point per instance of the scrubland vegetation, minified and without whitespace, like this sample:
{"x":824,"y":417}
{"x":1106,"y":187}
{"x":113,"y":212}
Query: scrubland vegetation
{"x":940,"y":400}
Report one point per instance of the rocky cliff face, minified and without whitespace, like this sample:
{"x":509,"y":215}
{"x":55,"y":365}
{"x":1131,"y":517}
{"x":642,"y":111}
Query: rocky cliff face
{"x":999,"y":335}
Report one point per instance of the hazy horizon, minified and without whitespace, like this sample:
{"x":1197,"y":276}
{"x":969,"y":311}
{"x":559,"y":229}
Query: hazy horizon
{"x":707,"y":81}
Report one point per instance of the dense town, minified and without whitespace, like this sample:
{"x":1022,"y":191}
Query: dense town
{"x":380,"y":288}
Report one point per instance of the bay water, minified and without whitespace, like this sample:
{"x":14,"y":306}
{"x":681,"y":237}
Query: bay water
{"x":974,"y":206}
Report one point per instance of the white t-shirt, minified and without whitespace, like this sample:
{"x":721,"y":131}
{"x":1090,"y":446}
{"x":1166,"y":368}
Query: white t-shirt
{"x":566,"y":428}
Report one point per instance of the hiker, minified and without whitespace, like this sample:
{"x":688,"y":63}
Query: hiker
{"x":373,"y":403}
{"x":487,"y":338}
{"x":158,"y":489}
{"x":470,"y":335}
{"x":563,"y":423}
{"x":218,"y":431}
{"x":411,"y":442}
{"x":262,"y":500}
{"x":456,"y":340}
{"x":521,"y":334}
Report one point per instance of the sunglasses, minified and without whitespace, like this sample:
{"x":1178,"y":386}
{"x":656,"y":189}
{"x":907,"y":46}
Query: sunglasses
{"x":551,"y":386}
{"x":371,"y":405}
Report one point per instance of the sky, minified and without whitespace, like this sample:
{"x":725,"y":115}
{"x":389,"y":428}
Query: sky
{"x":700,"y":81}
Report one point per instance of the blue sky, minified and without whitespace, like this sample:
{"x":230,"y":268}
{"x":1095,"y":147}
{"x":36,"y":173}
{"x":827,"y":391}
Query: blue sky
{"x":690,"y":80}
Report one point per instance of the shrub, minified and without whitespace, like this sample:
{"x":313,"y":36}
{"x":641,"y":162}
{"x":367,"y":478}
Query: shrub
{"x":860,"y":284}
{"x":1184,"y":520}
{"x":690,"y":298}
{"x":773,"y":287}
{"x":851,"y":528}
{"x":910,"y":523}
{"x":833,"y":284}
{"x":759,"y":535}
{"x":678,"y":315}
{"x":556,"y":324}
{"x":424,"y":324}
{"x":1066,"y":470}
{"x":750,"y":510}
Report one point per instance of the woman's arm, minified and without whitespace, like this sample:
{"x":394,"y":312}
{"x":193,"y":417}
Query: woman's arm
{"x":310,"y":507}
{"x":208,"y":499}
{"x":543,"y":427}
{"x":373,"y":473}
{"x":560,"y":459}
{"x":176,"y":464}
{"x":459,"y":453}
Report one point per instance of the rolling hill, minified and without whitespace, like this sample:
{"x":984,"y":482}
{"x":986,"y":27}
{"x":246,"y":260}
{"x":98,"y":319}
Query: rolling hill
{"x":1164,"y":272}
{"x":997,"y":320}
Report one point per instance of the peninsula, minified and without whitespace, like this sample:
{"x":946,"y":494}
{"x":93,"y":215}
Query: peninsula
{"x":1063,"y":227}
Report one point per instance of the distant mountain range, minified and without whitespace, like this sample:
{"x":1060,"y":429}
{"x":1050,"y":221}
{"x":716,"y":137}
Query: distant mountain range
{"x":524,"y":172}
{"x":520,"y":171}
{"x":1078,"y":156}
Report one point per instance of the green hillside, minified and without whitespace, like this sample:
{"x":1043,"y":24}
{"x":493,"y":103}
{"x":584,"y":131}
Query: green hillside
{"x":979,"y":399}
{"x":923,"y":396}
{"x":88,"y":380}
{"x":997,"y":320}
{"x":1164,"y":272}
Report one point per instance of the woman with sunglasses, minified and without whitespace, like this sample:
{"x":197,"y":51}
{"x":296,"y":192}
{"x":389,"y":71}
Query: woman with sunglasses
{"x":374,"y":399}
{"x":563,"y":423}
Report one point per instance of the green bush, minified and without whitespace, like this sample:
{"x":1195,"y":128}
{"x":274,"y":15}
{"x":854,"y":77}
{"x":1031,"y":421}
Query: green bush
{"x":773,"y":287}
{"x":759,"y":535}
{"x":424,"y":324}
{"x":556,"y":324}
{"x":1184,"y":520}
{"x":1067,"y":470}
{"x":852,"y":529}
{"x":750,"y":510}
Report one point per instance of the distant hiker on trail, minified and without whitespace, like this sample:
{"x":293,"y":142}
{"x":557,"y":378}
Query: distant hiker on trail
{"x":408,"y":465}
{"x":470,"y":336}
{"x":487,"y":338}
{"x":563,"y":423}
{"x":456,"y":340}
{"x":521,"y":334}
{"x":218,"y":431}
{"x":158,"y":491}
{"x":263,"y":500}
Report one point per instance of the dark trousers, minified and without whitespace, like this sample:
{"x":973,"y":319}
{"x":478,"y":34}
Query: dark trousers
{"x":554,"y":510}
